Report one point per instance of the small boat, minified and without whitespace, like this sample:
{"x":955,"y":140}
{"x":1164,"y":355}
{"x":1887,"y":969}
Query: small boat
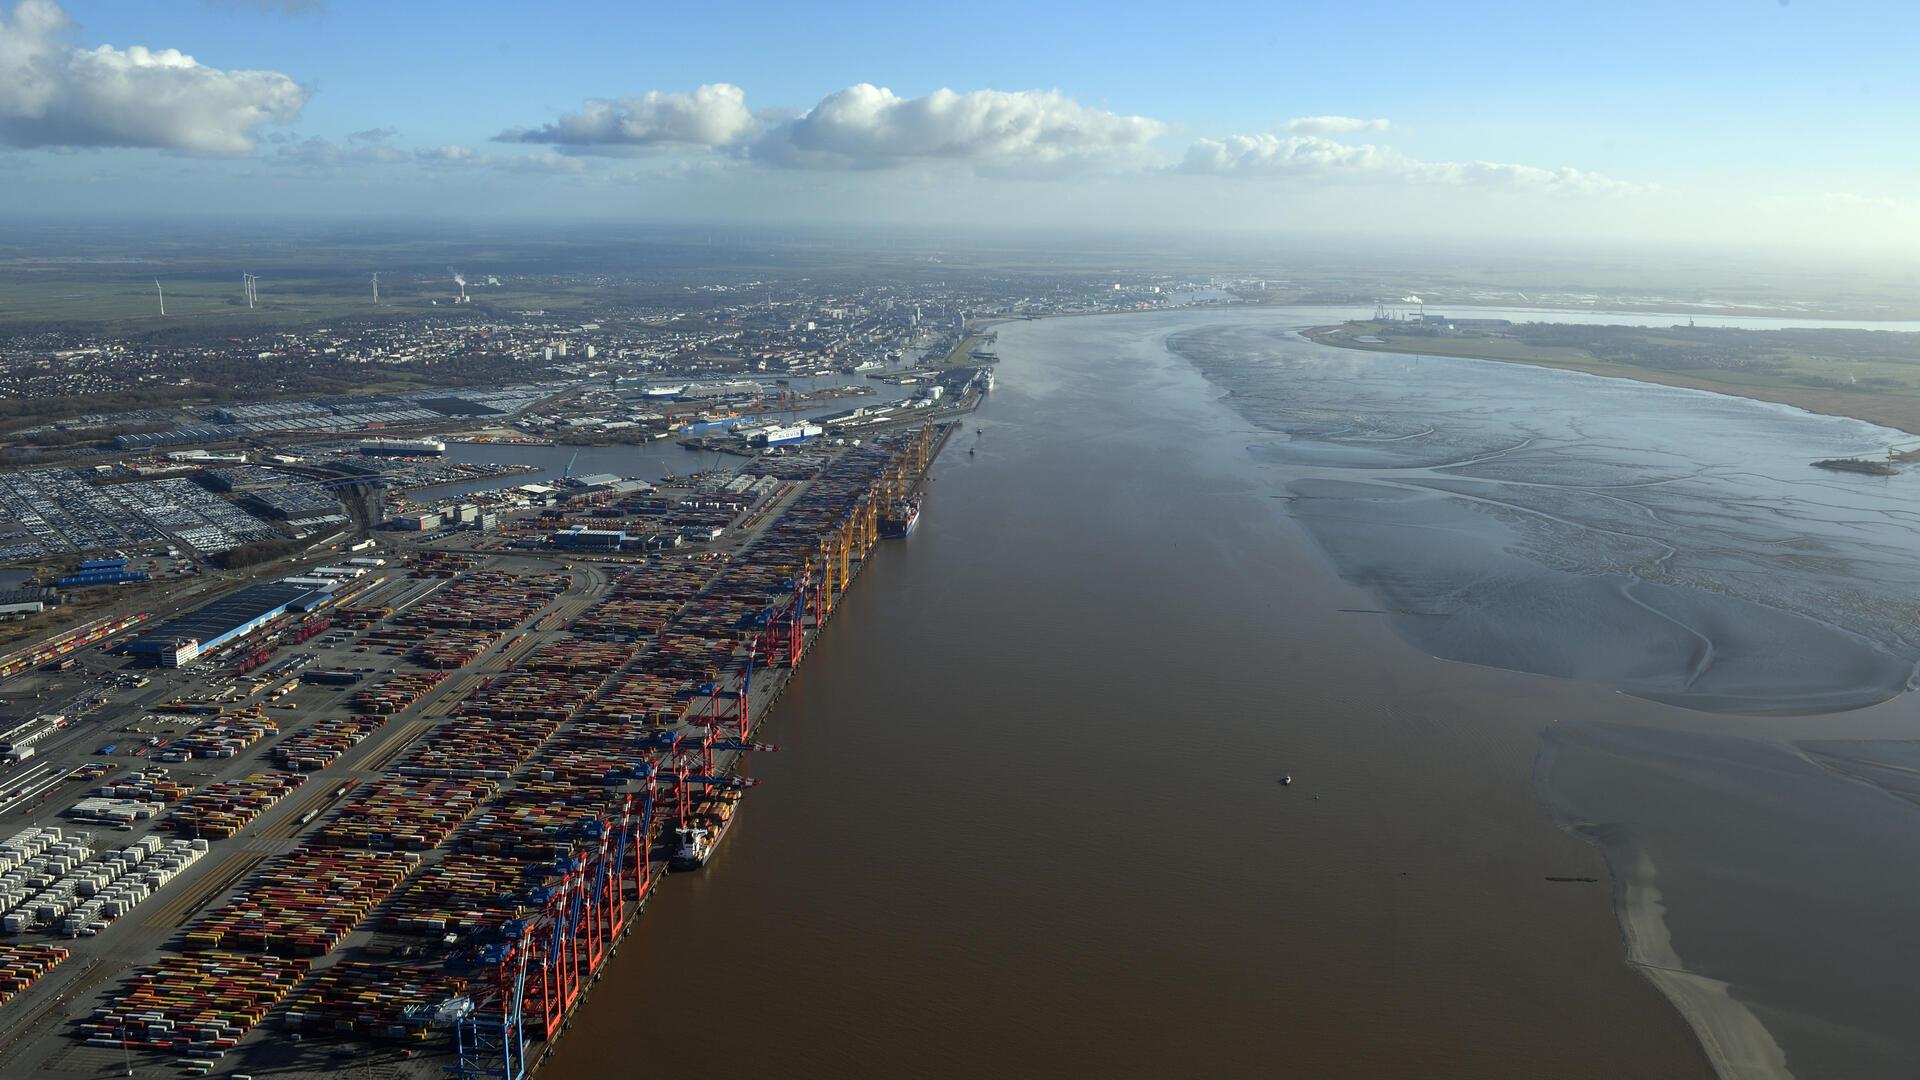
{"x":1286,"y":779}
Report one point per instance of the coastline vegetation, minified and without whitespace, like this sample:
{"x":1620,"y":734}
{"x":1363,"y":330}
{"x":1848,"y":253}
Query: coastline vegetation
{"x":1871,"y":375}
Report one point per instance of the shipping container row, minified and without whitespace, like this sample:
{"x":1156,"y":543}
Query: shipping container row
{"x":486,"y":600}
{"x":223,"y":738}
{"x":408,"y":813}
{"x":219,"y":810}
{"x":388,"y":1000}
{"x":577,"y":657}
{"x":58,"y":882}
{"x":478,"y":747}
{"x":454,"y":648}
{"x":199,"y":1004}
{"x":464,"y":891}
{"x":23,"y":965}
{"x":303,"y":903}
{"x":322,"y":742}
{"x":397,"y":692}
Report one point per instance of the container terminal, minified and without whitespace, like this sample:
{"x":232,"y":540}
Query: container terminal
{"x":395,"y":814}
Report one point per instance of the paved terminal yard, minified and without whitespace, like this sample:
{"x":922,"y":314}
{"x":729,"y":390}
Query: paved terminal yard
{"x":434,"y":815}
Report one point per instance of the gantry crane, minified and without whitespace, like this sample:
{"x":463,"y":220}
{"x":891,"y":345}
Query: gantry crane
{"x":489,"y":1033}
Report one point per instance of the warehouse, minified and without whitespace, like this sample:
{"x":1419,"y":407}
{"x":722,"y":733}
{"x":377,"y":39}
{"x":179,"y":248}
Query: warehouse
{"x":24,"y":601}
{"x":182,"y":640}
{"x":586,"y":539}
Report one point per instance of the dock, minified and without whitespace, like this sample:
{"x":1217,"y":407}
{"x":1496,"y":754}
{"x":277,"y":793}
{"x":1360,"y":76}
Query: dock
{"x":438,"y":841}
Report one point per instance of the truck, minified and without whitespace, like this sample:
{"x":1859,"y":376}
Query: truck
{"x":18,"y":754}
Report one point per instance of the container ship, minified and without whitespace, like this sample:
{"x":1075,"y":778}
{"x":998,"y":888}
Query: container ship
{"x":696,"y":841}
{"x":898,"y":523}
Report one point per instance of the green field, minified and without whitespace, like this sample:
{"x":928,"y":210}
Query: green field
{"x":1869,"y":375}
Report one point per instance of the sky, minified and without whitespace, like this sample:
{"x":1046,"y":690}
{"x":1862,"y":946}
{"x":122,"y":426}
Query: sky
{"x":1733,"y":122}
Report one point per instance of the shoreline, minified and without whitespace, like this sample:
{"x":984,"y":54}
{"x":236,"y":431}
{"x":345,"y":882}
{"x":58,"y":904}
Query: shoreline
{"x":1728,"y":1030}
{"x":1896,"y":419}
{"x":1736,"y":1044}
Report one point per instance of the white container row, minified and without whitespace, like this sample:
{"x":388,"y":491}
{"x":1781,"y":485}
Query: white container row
{"x":114,"y":811}
{"x":40,"y":872}
{"x":134,"y":884}
{"x":29,"y":844}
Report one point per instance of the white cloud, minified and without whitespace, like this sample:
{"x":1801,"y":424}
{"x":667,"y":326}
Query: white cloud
{"x":870,"y":127}
{"x":1310,"y":157}
{"x":713,"y":115}
{"x":1331,"y":125}
{"x":1296,"y":155}
{"x":536,"y":163}
{"x":320,"y":154}
{"x":317,"y":155}
{"x":52,"y":94}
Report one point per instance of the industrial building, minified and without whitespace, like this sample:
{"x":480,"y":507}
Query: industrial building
{"x":185,"y":638}
{"x":582,"y":538}
{"x":27,"y":601}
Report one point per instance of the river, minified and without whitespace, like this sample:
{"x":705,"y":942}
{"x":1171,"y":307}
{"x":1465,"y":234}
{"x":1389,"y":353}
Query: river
{"x":1026,"y":820}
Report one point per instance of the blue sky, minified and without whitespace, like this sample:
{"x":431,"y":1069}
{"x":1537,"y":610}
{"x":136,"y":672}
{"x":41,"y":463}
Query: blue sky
{"x":1695,"y":119}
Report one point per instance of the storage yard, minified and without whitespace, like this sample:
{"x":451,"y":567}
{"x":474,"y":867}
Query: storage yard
{"x":395,"y":817}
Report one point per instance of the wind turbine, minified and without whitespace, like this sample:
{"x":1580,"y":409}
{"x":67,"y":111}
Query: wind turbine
{"x":376,"y":288}
{"x":163,"y":297}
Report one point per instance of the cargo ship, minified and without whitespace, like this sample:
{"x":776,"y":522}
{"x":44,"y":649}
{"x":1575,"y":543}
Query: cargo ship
{"x":898,"y":523}
{"x":696,"y":841}
{"x":428,"y":447}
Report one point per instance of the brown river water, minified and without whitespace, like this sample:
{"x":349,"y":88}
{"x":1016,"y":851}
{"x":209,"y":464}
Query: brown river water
{"x":1026,"y":818}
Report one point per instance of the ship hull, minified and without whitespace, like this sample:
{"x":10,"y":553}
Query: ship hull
{"x":901,"y":527}
{"x":684,"y":860}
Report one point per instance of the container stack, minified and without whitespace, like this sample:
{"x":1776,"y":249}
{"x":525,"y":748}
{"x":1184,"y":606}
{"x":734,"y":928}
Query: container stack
{"x":593,"y":658}
{"x":323,"y":742}
{"x":218,"y":811}
{"x":461,"y":892}
{"x":405,"y":813}
{"x":397,"y":692}
{"x":199,"y":1005}
{"x":382,"y":1001}
{"x":222,"y":738}
{"x":116,"y":882}
{"x":639,"y":697}
{"x":487,"y":600}
{"x":478,"y":747}
{"x":454,"y":648}
{"x":23,"y":965}
{"x":303,"y":904}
